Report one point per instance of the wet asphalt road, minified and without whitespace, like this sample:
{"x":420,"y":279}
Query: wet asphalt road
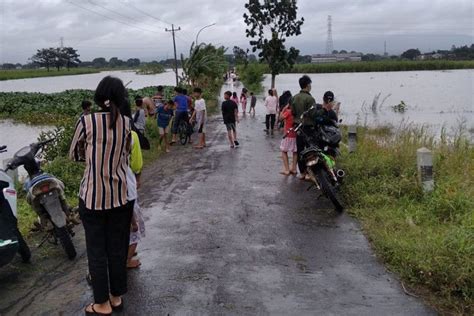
{"x":227,"y":234}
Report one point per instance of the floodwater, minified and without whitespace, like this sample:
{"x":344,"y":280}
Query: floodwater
{"x":434,"y":98}
{"x":87,"y":81}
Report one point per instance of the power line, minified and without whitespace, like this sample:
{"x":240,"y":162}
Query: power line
{"x":114,"y":12}
{"x":146,"y":13}
{"x":110,"y":18}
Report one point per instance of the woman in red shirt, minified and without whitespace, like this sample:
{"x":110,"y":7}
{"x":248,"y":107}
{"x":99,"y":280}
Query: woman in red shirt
{"x":288,"y":144}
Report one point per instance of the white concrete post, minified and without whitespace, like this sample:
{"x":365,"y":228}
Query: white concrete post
{"x":352,"y":138}
{"x":424,"y":162}
{"x":12,"y":173}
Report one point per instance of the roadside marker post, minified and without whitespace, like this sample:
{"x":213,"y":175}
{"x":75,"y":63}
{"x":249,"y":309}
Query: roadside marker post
{"x":352,"y":138}
{"x":424,"y":162}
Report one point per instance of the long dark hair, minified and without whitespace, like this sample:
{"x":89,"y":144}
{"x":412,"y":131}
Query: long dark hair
{"x":112,"y":97}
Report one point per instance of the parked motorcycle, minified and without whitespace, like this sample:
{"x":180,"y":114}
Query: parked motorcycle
{"x":319,"y":157}
{"x":11,"y":240}
{"x":45,"y":194}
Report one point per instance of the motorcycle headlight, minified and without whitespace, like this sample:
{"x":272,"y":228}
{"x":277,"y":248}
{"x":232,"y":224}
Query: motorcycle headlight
{"x":312,"y":162}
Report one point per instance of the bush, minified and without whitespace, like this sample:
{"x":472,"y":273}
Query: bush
{"x":252,"y":76}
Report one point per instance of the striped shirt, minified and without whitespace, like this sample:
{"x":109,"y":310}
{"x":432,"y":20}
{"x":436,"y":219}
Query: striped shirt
{"x":104,"y":184}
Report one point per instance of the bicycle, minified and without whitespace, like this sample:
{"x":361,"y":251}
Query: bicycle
{"x":185,"y":131}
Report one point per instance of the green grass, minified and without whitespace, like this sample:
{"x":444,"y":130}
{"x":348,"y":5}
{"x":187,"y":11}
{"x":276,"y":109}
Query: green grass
{"x":387,"y":65}
{"x":36,"y":73}
{"x":427,"y":239}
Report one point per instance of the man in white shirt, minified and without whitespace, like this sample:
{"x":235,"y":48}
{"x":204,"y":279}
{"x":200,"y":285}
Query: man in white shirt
{"x":200,"y":114}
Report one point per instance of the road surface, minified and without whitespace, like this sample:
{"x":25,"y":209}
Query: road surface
{"x":227,"y":234}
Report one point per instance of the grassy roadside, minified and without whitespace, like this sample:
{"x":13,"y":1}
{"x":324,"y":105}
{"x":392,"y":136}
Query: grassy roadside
{"x":427,"y":239}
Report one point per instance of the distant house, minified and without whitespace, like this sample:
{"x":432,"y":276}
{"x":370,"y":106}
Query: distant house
{"x":334,"y":58}
{"x":430,"y":56}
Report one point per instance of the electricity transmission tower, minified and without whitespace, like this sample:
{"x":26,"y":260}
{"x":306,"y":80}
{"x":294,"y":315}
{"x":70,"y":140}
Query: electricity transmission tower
{"x":329,"y":43}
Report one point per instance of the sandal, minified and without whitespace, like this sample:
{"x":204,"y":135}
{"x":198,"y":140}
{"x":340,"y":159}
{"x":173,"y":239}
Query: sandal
{"x":117,"y":308}
{"x":94,"y":312}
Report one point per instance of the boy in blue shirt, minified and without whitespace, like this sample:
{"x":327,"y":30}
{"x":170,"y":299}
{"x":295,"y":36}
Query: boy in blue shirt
{"x":164,"y":113}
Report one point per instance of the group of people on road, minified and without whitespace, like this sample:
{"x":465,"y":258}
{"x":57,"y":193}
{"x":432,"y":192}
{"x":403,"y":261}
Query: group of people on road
{"x":108,"y":142}
{"x":284,"y":112}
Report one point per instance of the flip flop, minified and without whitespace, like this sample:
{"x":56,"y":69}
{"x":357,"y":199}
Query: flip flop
{"x":285,"y":173}
{"x":94,"y":312}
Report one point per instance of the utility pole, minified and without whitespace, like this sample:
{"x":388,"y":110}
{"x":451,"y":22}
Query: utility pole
{"x":173,"y":30}
{"x":61,"y":42}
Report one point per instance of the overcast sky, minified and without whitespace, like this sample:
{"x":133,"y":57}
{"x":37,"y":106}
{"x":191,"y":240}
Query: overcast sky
{"x":136,"y":28}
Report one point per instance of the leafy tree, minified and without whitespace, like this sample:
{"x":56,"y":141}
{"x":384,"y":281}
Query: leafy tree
{"x":343,"y":51}
{"x":306,"y":59}
{"x":8,"y":66}
{"x":269,"y":24}
{"x":241,"y":56}
{"x":411,"y":54}
{"x":205,"y":66}
{"x":115,"y":62}
{"x":133,"y":62}
{"x":99,"y":62}
{"x":70,"y":56}
{"x":45,"y":57}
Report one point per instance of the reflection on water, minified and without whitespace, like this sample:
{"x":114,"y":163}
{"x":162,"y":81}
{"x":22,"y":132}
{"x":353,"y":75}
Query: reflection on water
{"x":88,"y":81}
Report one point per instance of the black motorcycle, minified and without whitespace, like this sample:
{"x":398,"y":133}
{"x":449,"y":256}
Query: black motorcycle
{"x":11,"y":240}
{"x":319,"y":157}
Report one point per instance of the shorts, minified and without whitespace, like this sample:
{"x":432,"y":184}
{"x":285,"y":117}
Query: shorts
{"x":288,"y":144}
{"x":202,"y":128}
{"x":163,"y":130}
{"x":230,"y":126}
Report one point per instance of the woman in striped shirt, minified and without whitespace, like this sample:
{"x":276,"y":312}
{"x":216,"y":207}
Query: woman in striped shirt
{"x":103,"y":206}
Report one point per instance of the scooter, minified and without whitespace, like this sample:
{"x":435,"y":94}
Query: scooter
{"x":11,"y":240}
{"x":45,"y":194}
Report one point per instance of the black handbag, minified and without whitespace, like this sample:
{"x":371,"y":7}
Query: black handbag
{"x":144,"y":142}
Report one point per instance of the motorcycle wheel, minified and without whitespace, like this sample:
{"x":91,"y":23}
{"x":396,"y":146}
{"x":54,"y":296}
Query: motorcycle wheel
{"x":328,"y":189}
{"x":23,"y":249}
{"x":65,"y":239}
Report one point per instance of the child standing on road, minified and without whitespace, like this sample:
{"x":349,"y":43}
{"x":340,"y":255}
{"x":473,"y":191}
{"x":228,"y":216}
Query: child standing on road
{"x":253,"y":102}
{"x":137,"y":228}
{"x":243,"y":100}
{"x":164,"y":114}
{"x":139,"y":118}
{"x":200,"y":114}
{"x":230,"y":114}
{"x":235,"y":98}
{"x":288,"y":144}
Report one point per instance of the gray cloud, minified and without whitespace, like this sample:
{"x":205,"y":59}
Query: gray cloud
{"x":357,"y":25}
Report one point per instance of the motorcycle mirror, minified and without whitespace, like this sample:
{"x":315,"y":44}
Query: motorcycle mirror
{"x":3,"y":147}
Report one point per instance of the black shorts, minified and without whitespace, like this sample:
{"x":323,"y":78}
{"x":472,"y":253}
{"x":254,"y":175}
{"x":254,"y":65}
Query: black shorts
{"x":230,"y":126}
